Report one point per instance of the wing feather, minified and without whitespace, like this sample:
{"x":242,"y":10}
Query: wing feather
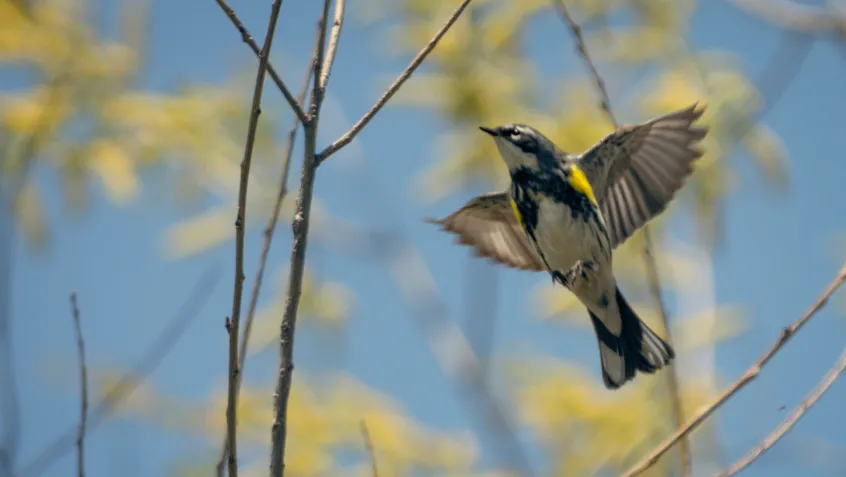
{"x":634,"y":173}
{"x":488,"y":224}
{"x":637,"y":170}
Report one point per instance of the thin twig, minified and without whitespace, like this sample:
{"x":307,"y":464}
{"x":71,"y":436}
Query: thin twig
{"x":788,"y":422}
{"x":233,"y":326}
{"x":248,"y":39}
{"x":30,"y":150}
{"x":269,"y":230}
{"x":300,"y":227}
{"x":779,"y":76}
{"x":149,"y":362}
{"x":393,"y":88}
{"x":83,"y":386}
{"x":334,"y":36}
{"x":10,"y":201}
{"x":672,"y":373}
{"x":648,"y":256}
{"x":745,"y":379}
{"x":320,"y":60}
{"x":368,"y":444}
{"x":604,"y":99}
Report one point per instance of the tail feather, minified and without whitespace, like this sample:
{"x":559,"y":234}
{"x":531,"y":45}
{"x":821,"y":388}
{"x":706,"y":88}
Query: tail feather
{"x":637,"y":348}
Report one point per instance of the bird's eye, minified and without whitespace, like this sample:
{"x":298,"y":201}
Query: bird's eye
{"x":514,"y":133}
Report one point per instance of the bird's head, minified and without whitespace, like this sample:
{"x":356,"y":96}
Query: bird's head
{"x":522,"y":146}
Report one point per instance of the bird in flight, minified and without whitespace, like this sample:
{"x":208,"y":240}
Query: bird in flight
{"x":565,"y":213}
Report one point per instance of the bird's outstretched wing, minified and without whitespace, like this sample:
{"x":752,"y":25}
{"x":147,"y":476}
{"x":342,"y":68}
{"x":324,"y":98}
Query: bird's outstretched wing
{"x":636,"y":170}
{"x":488,"y":224}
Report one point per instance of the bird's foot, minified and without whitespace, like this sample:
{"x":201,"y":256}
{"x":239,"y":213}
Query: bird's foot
{"x":577,"y":271}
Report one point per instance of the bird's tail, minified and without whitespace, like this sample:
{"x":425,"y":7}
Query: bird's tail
{"x":637,"y":348}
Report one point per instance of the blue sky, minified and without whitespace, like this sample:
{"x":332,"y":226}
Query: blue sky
{"x":780,"y":250}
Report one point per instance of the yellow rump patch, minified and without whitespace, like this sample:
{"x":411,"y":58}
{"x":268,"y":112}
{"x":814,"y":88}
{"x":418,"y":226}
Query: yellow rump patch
{"x":579,"y":182}
{"x":516,"y":212}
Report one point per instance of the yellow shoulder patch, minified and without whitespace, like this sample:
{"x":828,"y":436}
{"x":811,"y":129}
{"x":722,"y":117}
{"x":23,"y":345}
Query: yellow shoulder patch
{"x":516,"y":212}
{"x":579,"y":182}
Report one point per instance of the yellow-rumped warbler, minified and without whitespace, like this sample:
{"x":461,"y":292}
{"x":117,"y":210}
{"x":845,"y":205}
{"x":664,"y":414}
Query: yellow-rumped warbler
{"x":565,"y":214}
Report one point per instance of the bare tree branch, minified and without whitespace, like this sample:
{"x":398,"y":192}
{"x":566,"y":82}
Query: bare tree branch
{"x":248,"y":39}
{"x":9,"y":205}
{"x":233,"y":327}
{"x":83,"y":386}
{"x":393,"y":88}
{"x":788,"y":423}
{"x":300,"y":227}
{"x":149,"y":362}
{"x":604,"y":99}
{"x":648,"y":256}
{"x":368,"y":445}
{"x":745,"y":379}
{"x":269,"y":230}
{"x":334,"y":36}
{"x":300,"y":224}
{"x":654,"y":279}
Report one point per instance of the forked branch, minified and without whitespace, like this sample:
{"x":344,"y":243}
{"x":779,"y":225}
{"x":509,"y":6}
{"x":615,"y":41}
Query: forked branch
{"x":394,"y":87}
{"x":269,"y":231}
{"x":300,"y":225}
{"x":745,"y":379}
{"x":248,"y":39}
{"x":788,"y":423}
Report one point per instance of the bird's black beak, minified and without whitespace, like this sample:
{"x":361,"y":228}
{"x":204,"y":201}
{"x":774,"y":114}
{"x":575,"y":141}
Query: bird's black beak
{"x":490,"y":131}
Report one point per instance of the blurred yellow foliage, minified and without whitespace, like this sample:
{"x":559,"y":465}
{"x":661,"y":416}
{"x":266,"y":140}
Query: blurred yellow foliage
{"x":732,"y":104}
{"x":25,"y":112}
{"x":587,"y":430}
{"x":481,"y":75}
{"x":85,"y":118}
{"x":324,"y":419}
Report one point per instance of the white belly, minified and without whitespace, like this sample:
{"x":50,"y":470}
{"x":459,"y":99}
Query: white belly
{"x":564,"y":240}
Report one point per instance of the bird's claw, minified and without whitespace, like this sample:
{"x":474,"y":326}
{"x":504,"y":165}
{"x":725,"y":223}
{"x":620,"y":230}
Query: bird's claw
{"x":578,"y":270}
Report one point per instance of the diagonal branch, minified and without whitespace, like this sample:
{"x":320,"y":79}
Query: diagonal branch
{"x":648,"y":256}
{"x":233,"y":327}
{"x":269,"y":230}
{"x":146,"y":365}
{"x":745,"y":379}
{"x":394,"y":87}
{"x":83,"y":386}
{"x":788,"y":423}
{"x":604,"y":99}
{"x":654,"y":280}
{"x":248,"y":39}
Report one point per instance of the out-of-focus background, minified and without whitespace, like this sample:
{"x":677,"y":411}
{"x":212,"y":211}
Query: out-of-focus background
{"x":122,"y":124}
